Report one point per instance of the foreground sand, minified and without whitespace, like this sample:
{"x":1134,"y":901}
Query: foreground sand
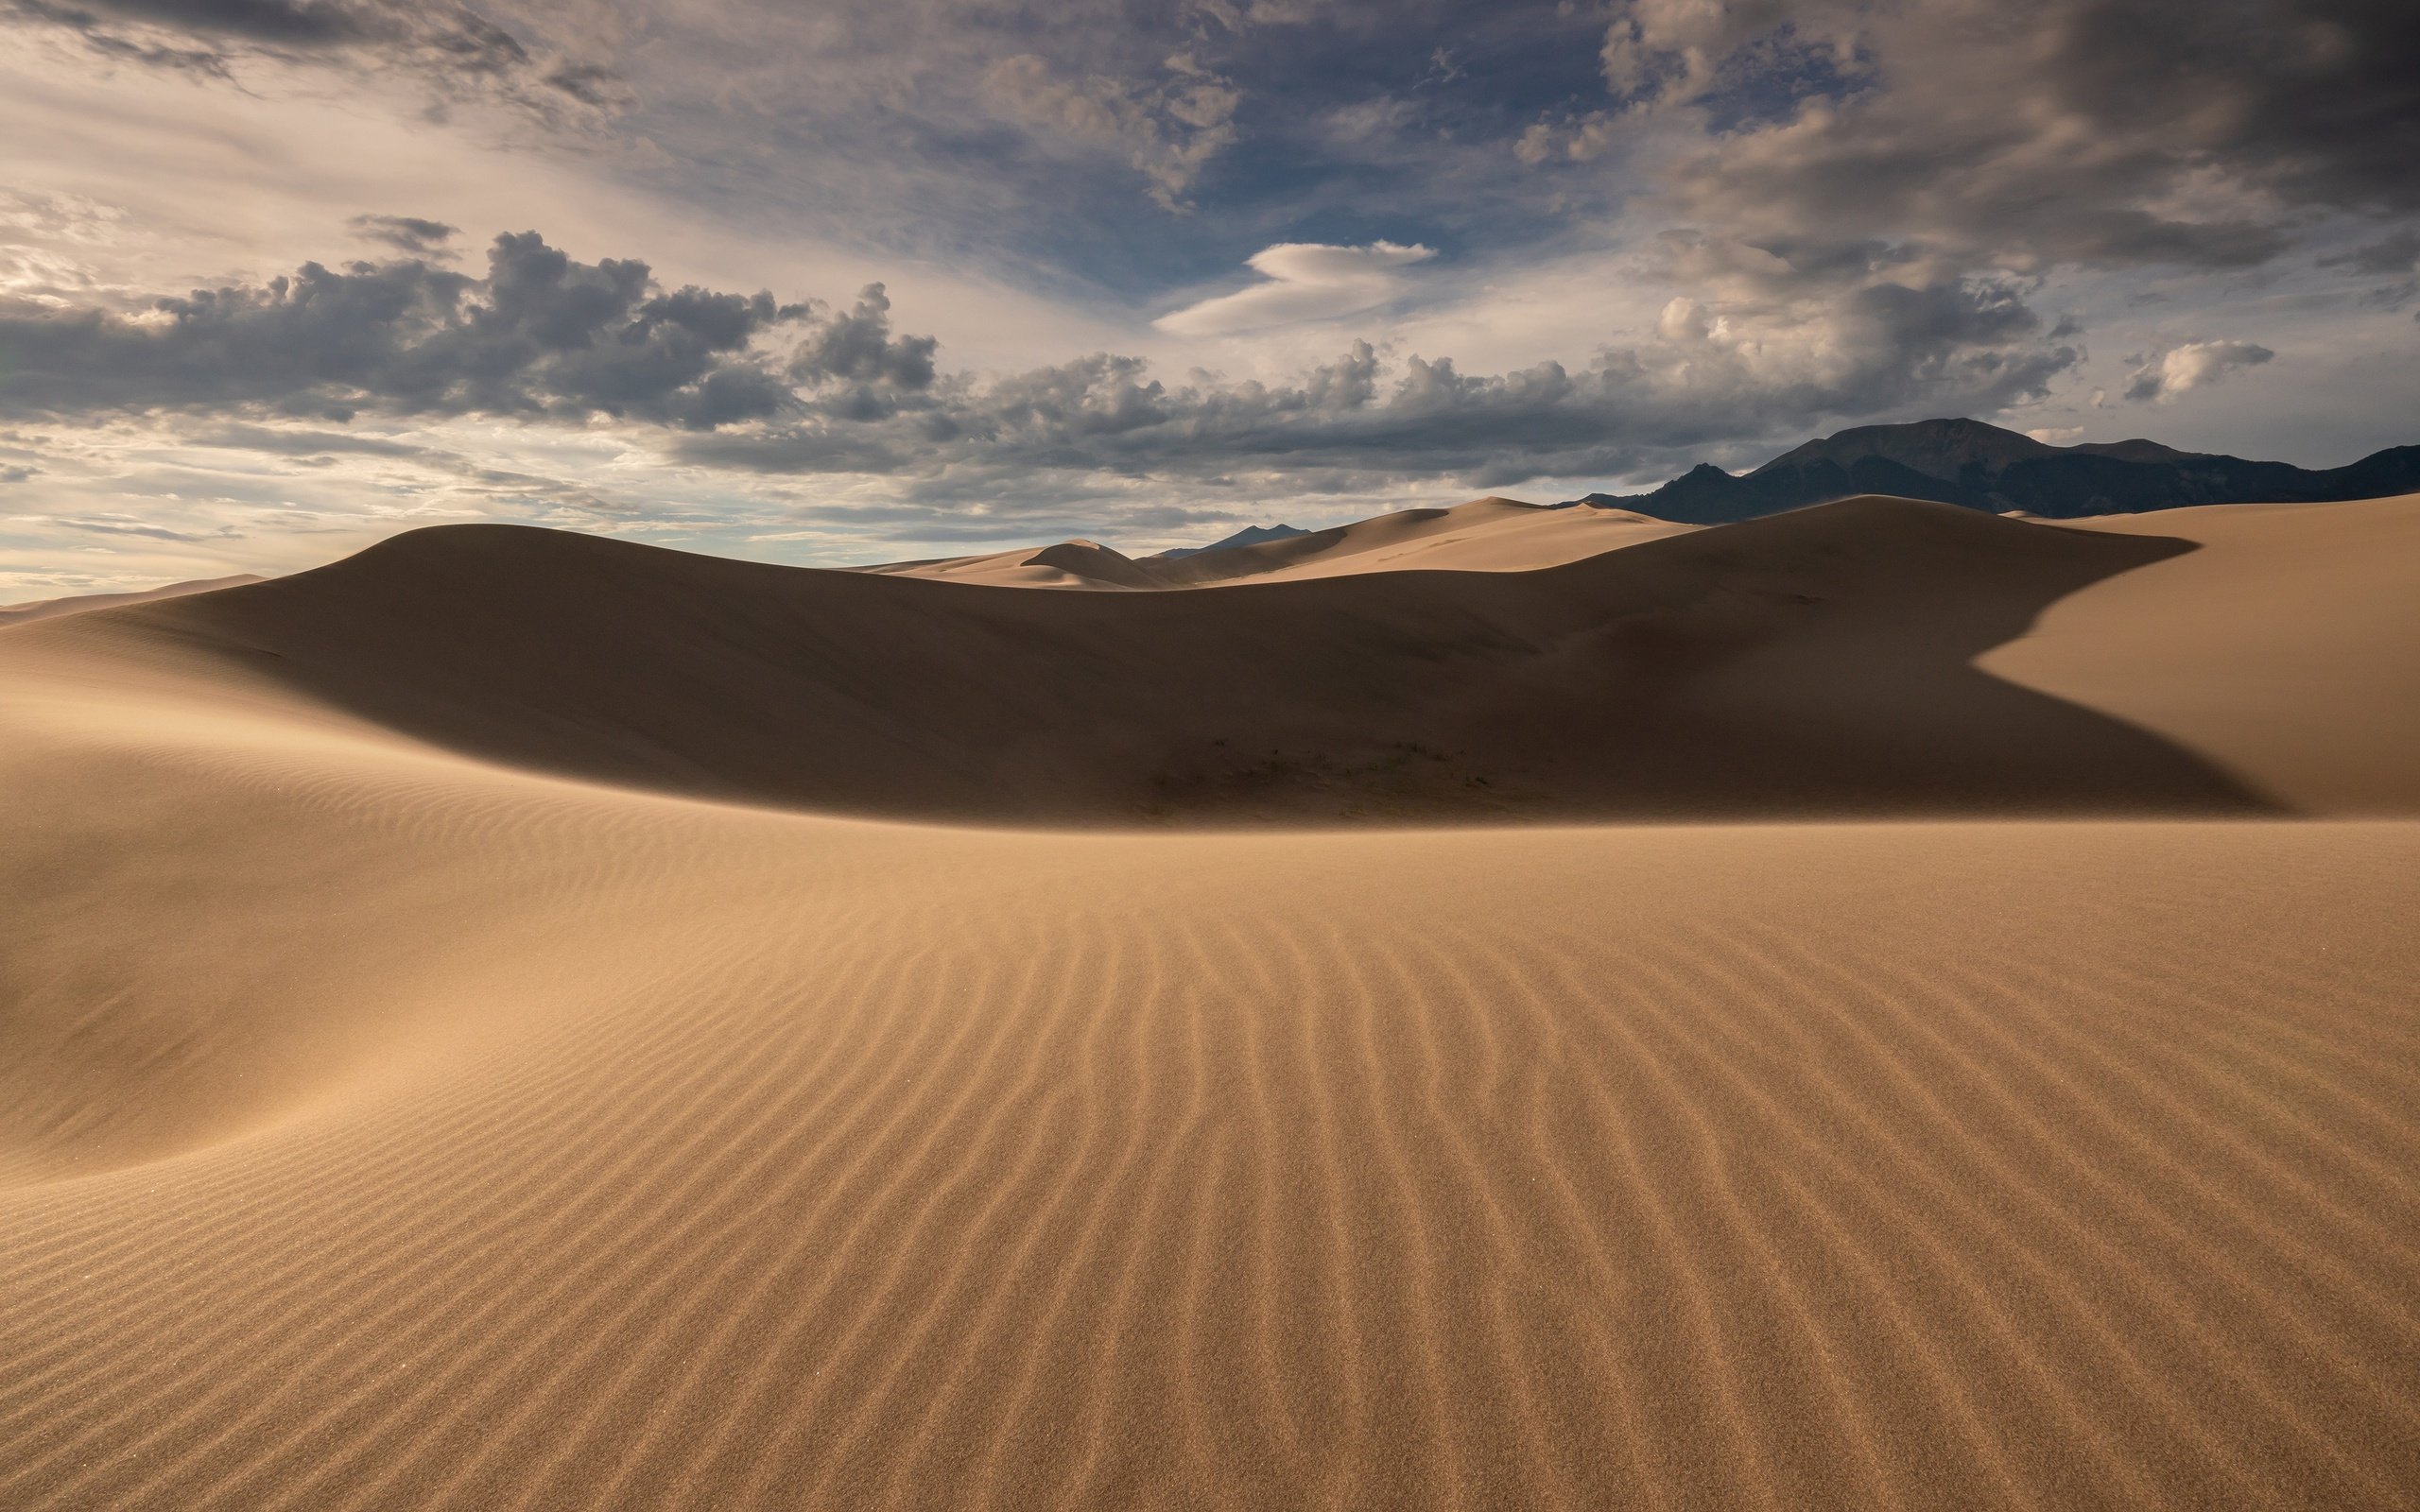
{"x":384,"y":1128}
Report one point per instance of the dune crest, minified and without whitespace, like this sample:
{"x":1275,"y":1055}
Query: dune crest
{"x":1492,"y":535}
{"x":43,"y":608}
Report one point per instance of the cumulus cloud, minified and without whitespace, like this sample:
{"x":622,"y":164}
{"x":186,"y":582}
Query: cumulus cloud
{"x":1954,"y":347}
{"x":765,"y":386}
{"x":1300,"y":281}
{"x":542,"y":337}
{"x":2193,"y":365}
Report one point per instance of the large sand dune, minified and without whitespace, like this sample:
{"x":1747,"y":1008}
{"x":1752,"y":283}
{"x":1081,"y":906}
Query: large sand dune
{"x":1817,"y":663}
{"x":392,"y":1116}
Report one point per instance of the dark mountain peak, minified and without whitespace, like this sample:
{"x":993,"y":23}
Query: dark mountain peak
{"x":2136,"y":450}
{"x":1982,"y":467}
{"x":1945,"y":449}
{"x":1248,"y":536}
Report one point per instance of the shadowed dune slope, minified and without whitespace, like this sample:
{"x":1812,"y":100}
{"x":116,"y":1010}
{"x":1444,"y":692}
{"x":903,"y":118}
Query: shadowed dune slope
{"x":1817,"y":663}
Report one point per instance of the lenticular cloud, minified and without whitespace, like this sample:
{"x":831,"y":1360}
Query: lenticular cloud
{"x":1301,"y":282}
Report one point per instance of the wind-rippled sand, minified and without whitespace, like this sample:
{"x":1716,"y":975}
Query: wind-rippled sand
{"x":382,"y":1127}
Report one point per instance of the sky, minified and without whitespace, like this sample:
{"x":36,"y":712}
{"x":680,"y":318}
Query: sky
{"x":872,"y":279}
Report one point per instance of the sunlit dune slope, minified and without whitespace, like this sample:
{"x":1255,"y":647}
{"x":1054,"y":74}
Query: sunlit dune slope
{"x":1816,"y":663}
{"x":2284,"y":648}
{"x":1068,"y":564}
{"x":1485,"y":535}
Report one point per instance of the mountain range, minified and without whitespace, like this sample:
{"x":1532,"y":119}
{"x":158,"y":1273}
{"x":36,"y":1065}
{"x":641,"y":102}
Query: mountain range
{"x":1982,"y":467}
{"x":1248,"y":536}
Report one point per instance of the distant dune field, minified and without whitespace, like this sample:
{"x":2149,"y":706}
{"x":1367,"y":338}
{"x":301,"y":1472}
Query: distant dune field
{"x":44,"y":608}
{"x":1878,"y":1006}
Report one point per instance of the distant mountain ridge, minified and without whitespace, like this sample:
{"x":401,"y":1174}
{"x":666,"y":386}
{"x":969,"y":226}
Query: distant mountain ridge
{"x":1983,"y":467}
{"x":1248,"y":536}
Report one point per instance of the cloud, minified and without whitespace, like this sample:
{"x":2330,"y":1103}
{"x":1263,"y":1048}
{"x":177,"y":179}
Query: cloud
{"x":407,"y":233}
{"x":825,"y":389}
{"x":1657,"y":50}
{"x":1959,"y":348}
{"x":2397,"y":253}
{"x":1577,"y":139}
{"x":2193,"y":365}
{"x":856,"y":346}
{"x":2096,"y":132}
{"x":1167,"y":130}
{"x":543,"y":336}
{"x":306,"y":23}
{"x":1302,"y":281}
{"x":449,"y":46}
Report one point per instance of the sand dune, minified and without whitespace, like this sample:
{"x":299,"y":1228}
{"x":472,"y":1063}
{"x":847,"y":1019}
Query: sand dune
{"x":2277,"y":649}
{"x":1490,"y":535}
{"x":1069,"y":565}
{"x":1811,"y":663}
{"x":383,"y":1124}
{"x":43,"y":608}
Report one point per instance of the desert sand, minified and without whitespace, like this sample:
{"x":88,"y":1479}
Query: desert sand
{"x":1859,"y":1009}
